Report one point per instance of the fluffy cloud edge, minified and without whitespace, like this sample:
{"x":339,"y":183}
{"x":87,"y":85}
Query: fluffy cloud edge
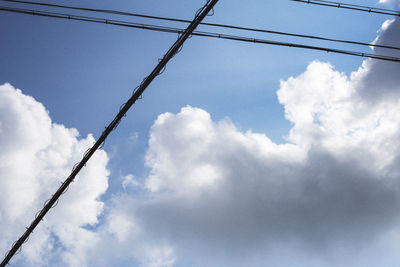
{"x":37,"y":156}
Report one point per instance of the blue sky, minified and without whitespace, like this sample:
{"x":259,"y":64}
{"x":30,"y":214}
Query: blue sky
{"x":83,"y":72}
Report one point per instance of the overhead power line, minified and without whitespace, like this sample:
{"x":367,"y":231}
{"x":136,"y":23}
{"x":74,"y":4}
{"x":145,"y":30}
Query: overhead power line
{"x":117,"y":12}
{"x":200,"y":15}
{"x":351,"y":6}
{"x":195,"y":33}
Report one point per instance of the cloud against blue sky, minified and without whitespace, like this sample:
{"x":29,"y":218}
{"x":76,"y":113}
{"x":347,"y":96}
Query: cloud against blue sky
{"x":219,"y":196}
{"x":36,"y":156}
{"x":216,"y":195}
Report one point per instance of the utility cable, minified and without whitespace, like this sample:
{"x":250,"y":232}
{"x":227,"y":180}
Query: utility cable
{"x":351,"y":6}
{"x":201,"y":14}
{"x":116,"y":12}
{"x":196,"y":33}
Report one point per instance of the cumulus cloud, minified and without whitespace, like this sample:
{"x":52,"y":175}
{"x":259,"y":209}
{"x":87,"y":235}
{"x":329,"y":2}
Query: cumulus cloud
{"x":129,"y":180}
{"x":218,"y":196}
{"x":35,"y":157}
{"x":375,"y":78}
{"x":229,"y":191}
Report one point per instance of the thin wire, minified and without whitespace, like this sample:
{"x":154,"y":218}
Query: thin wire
{"x":170,"y":53}
{"x":116,"y":12}
{"x":197,"y":33}
{"x":351,"y":6}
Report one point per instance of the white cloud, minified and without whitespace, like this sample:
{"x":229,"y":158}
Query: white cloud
{"x":262,"y":193}
{"x":129,"y":180}
{"x":36,"y":156}
{"x":395,"y":2}
{"x":216,"y":196}
{"x":375,"y":79}
{"x":329,"y":197}
{"x":120,"y":226}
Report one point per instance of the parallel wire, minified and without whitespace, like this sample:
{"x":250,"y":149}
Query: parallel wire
{"x":351,"y":6}
{"x":53,"y":201}
{"x":117,"y":12}
{"x":196,"y":33}
{"x":175,"y":48}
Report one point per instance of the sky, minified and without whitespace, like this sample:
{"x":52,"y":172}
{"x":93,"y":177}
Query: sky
{"x":239,"y":154}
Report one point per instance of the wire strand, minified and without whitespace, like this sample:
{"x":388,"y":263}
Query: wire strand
{"x":197,"y":33}
{"x":114,"y":123}
{"x":217,"y":25}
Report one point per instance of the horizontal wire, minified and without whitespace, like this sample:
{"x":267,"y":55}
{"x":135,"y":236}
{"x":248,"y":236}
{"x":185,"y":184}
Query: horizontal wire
{"x":351,"y":6}
{"x":116,"y":12}
{"x":196,"y":33}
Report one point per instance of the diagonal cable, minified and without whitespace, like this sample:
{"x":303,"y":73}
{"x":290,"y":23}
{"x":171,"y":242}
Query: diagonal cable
{"x":200,"y":15}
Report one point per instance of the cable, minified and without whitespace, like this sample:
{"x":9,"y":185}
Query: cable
{"x":147,"y":81}
{"x":116,"y":12}
{"x":351,"y":6}
{"x":196,"y":33}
